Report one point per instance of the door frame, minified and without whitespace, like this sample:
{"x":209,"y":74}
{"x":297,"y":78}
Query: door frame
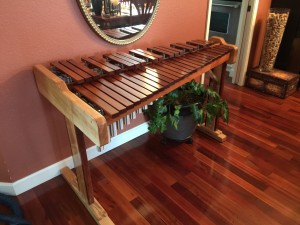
{"x":244,"y":39}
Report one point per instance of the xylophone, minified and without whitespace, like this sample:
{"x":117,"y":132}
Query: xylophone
{"x":98,"y":95}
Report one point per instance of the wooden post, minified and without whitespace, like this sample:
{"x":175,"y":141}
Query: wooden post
{"x":80,"y":161}
{"x":81,"y":183}
{"x":217,"y":84}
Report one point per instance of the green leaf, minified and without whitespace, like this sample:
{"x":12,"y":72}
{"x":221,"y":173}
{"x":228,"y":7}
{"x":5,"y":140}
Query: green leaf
{"x":174,"y":119}
{"x":225,"y":112}
{"x":201,"y":116}
{"x":208,"y":117}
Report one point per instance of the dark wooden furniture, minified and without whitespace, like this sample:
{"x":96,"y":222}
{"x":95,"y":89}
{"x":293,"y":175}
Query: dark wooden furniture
{"x":277,"y":82}
{"x":111,"y":9}
{"x":99,"y":95}
{"x":112,"y":22}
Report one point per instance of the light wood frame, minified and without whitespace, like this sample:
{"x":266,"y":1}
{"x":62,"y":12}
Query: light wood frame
{"x":82,"y":120}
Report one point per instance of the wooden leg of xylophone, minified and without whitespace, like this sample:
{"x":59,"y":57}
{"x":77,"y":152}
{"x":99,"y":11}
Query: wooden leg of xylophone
{"x":81,"y":183}
{"x":216,"y":84}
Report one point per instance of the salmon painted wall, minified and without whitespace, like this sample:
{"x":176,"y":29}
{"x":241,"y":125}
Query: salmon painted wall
{"x":259,"y":33}
{"x":4,"y":175}
{"x":33,"y":134}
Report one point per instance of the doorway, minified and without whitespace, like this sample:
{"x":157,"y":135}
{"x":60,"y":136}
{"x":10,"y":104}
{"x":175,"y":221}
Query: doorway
{"x":236,"y":32}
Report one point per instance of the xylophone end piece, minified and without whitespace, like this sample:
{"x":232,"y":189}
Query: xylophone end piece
{"x":234,"y":49}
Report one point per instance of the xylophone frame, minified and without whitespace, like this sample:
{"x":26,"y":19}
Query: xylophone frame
{"x":82,"y":120}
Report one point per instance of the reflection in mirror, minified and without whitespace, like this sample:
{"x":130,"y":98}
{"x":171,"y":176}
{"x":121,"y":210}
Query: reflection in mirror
{"x":119,"y":21}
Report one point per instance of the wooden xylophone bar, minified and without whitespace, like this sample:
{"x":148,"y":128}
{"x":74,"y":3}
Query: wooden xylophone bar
{"x":99,"y":95}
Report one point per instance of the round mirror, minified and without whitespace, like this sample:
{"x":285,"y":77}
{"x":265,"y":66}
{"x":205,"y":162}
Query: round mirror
{"x":119,"y":21}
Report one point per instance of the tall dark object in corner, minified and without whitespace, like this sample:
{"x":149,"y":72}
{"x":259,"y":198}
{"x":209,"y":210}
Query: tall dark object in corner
{"x":289,"y":50}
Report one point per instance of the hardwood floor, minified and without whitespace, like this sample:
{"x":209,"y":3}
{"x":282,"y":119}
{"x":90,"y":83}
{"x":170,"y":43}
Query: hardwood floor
{"x":253,"y":178}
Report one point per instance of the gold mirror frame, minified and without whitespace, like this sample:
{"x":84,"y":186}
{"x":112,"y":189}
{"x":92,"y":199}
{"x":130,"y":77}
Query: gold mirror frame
{"x":99,"y":32}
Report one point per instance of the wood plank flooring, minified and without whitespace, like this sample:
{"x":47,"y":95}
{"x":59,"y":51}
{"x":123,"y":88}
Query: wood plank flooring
{"x":253,"y":178}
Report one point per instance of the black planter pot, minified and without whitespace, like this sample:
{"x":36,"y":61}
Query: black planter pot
{"x":185,"y":129}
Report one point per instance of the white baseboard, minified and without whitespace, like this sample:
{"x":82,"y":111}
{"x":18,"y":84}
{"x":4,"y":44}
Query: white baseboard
{"x":120,"y":139}
{"x":7,"y":188}
{"x":43,"y":175}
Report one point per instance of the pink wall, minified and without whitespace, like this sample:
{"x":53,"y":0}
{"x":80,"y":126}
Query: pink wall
{"x":4,"y":175}
{"x":33,"y":133}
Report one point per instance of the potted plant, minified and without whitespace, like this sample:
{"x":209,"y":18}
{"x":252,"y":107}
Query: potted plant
{"x":177,"y":114}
